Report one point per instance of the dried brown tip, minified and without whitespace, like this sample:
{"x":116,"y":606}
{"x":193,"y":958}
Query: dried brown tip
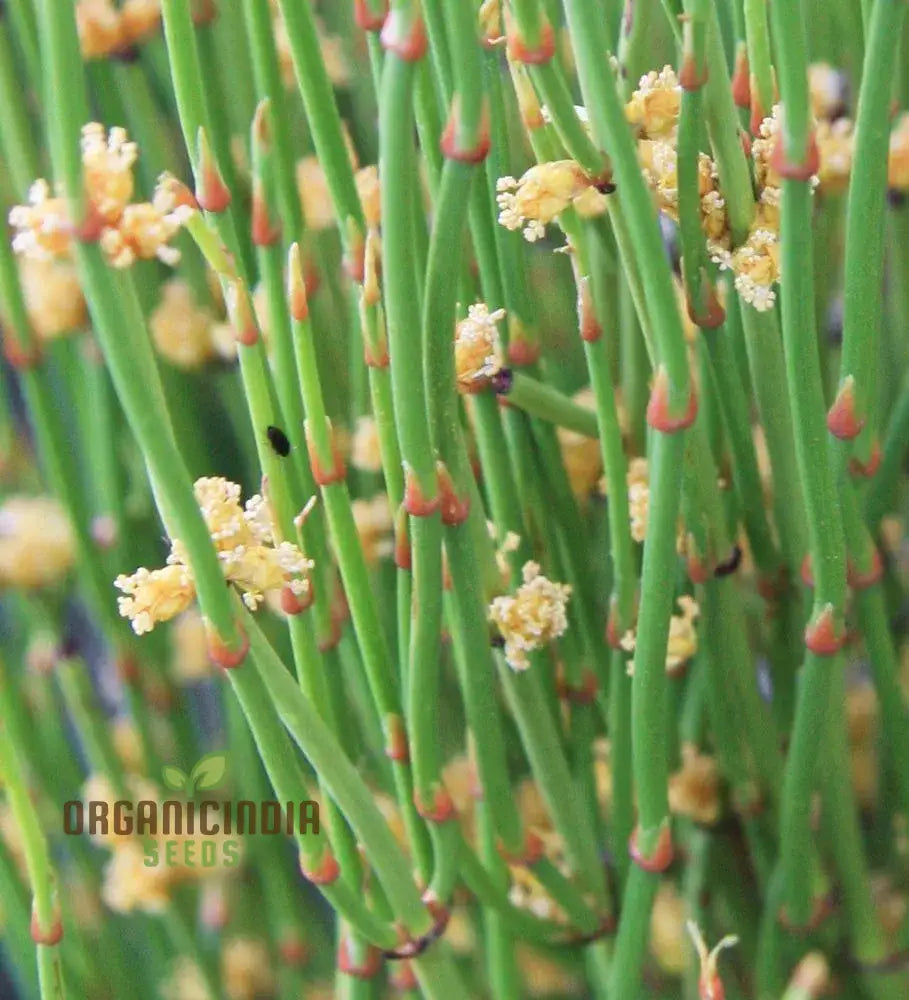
{"x":824,"y":636}
{"x":404,"y":34}
{"x":711,"y":313}
{"x":523,"y":351}
{"x":367,"y":18}
{"x":690,"y":77}
{"x":50,"y":935}
{"x":403,"y":554}
{"x":369,"y":968}
{"x":823,"y":907}
{"x":439,"y":810}
{"x":531,"y":851}
{"x":796,"y":171}
{"x":450,"y":144}
{"x":579,"y":694}
{"x":242,"y":315}
{"x":659,"y":415}
{"x":662,"y":856}
{"x":327,"y":871}
{"x":296,"y":285}
{"x":292,"y":604}
{"x":212,"y":193}
{"x":403,"y":978}
{"x":455,"y":509}
{"x":221,"y":654}
{"x":416,"y":503}
{"x":337,"y":473}
{"x":857,"y":467}
{"x":741,"y":79}
{"x":396,"y":747}
{"x":21,"y":357}
{"x":519,"y":51}
{"x":842,"y":420}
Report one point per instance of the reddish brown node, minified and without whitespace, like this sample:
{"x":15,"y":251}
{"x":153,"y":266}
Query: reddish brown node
{"x":662,"y":856}
{"x":690,"y":76}
{"x":523,"y":352}
{"x":355,"y":260}
{"x":823,"y":635}
{"x":806,"y":572}
{"x":212,"y":194}
{"x":867,"y":469}
{"x":403,"y":978}
{"x":699,"y":571}
{"x":222,"y":655}
{"x":51,"y":935}
{"x":745,"y":139}
{"x":758,"y":114}
{"x":396,"y":747}
{"x":404,"y":34}
{"x":369,"y":19}
{"x":803,"y":171}
{"x":330,"y":641}
{"x":823,"y":907}
{"x":439,"y":810}
{"x":842,"y":419}
{"x":863,"y":579}
{"x":293,"y":950}
{"x":530,"y":853}
{"x":128,"y":669}
{"x":376,"y":355}
{"x":416,"y":503}
{"x":659,"y":414}
{"x":537,"y":55}
{"x":325,"y":872}
{"x":712,"y":314}
{"x":294,"y":604}
{"x":451,"y":147}
{"x":21,"y":357}
{"x":454,"y":509}
{"x":326,"y":476}
{"x":588,"y":324}
{"x":265,"y":231}
{"x":578,"y":694}
{"x":369,"y":967}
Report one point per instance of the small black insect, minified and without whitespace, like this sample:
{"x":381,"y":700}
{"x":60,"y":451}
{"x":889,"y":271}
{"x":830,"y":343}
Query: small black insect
{"x":278,"y":440}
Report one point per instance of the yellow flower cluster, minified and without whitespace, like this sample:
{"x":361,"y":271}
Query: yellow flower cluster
{"x":36,"y":542}
{"x":249,"y":554}
{"x":187,"y":334}
{"x":105,"y":29}
{"x":532,"y":617}
{"x":315,"y":197}
{"x":334,"y":57}
{"x":127,"y":231}
{"x":53,"y":296}
{"x":694,"y":790}
{"x":683,"y":637}
{"x":478,"y":348}
{"x":581,"y":454}
{"x":542,"y":193}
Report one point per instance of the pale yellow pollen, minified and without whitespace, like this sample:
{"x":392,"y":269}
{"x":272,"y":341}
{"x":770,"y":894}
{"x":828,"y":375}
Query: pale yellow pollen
{"x":246,"y":968}
{"x":375,"y":526}
{"x":367,"y":180}
{"x":366,"y":453}
{"x":53,"y":296}
{"x":478,"y":348}
{"x":683,"y":638}
{"x":667,"y":934}
{"x":181,"y":329}
{"x":314,"y":195}
{"x":542,"y":193}
{"x":694,"y":790}
{"x":36,"y":542}
{"x":654,"y":107}
{"x":531,"y":617}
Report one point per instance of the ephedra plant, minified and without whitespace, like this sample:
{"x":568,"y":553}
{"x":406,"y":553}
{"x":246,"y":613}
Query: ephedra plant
{"x":479,"y":426}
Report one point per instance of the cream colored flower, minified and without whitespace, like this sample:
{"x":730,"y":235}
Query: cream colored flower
{"x":53,"y":296}
{"x":836,"y":144}
{"x":107,"y":160}
{"x":827,"y":89}
{"x":375,"y":526}
{"x":532,"y":617}
{"x":667,"y":930}
{"x":478,"y":348}
{"x":43,"y":228}
{"x":694,"y":790}
{"x":581,"y":455}
{"x":246,"y":968}
{"x":189,"y":646}
{"x":638,"y":497}
{"x":366,"y":452}
{"x":181,"y":329}
{"x":542,"y":193}
{"x":367,"y":179}
{"x":250,"y":556}
{"x":898,"y":160}
{"x":100,"y":28}
{"x":683,"y":638}
{"x":654,"y":107}
{"x":36,"y":542}
{"x":314,"y":195}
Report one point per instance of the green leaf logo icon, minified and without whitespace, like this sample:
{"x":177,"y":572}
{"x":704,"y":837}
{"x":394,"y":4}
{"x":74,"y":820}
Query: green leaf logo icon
{"x":174,"y":778}
{"x":208,"y":772}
